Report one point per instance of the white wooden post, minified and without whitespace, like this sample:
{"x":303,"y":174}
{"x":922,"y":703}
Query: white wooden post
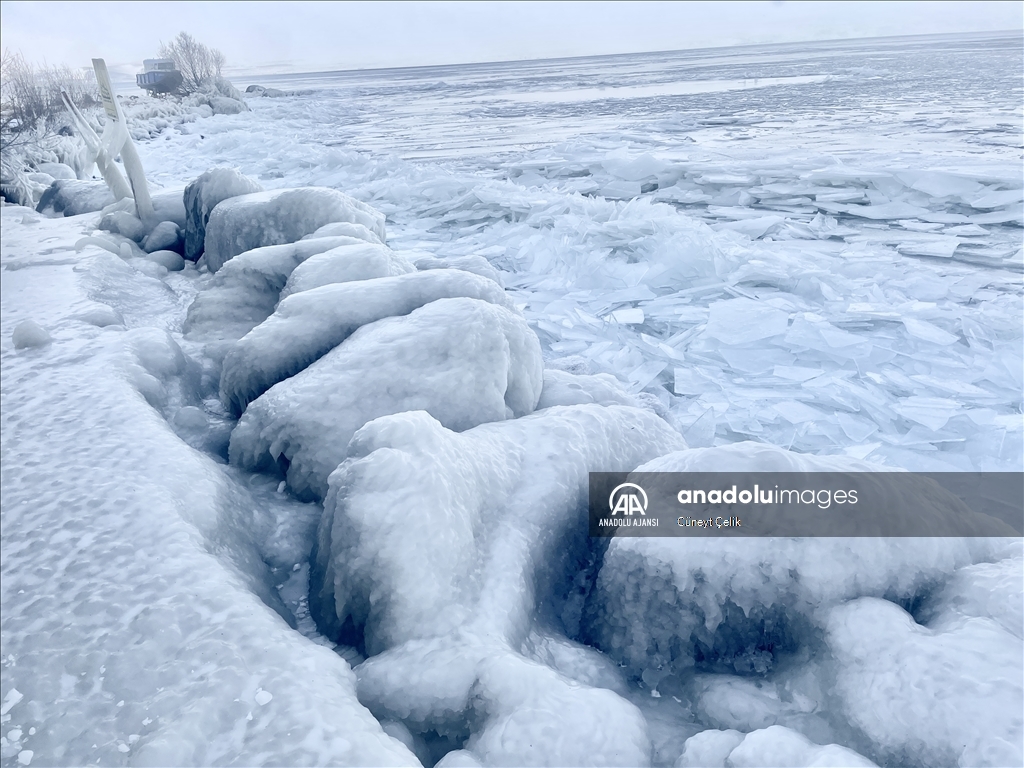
{"x":120,"y":141}
{"x":111,"y":173}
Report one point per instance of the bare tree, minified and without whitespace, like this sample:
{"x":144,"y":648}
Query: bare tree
{"x":30,"y":98}
{"x":32,"y":117}
{"x":195,"y":61}
{"x":218,"y":60}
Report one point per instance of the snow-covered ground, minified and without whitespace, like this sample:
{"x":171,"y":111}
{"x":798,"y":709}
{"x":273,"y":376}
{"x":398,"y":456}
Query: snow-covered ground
{"x":814,"y":248}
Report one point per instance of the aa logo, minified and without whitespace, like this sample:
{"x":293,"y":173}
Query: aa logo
{"x":628,"y":498}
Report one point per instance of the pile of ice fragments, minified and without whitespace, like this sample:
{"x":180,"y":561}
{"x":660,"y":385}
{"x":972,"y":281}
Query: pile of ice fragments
{"x":409,"y":396}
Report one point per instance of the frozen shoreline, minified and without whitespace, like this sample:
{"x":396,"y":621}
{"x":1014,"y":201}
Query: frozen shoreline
{"x":151,"y":592}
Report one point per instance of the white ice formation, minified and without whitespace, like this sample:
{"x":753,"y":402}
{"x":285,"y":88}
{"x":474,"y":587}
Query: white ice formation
{"x":464,"y":361}
{"x":242,"y":223}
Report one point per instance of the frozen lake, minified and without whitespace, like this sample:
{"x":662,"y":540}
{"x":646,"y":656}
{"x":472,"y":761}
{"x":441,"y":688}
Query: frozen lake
{"x":865,"y":194}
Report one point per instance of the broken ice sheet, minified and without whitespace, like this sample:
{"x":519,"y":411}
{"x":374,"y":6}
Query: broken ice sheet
{"x":756,"y":360}
{"x":795,"y":372}
{"x":856,"y":428}
{"x":701,"y":433}
{"x":922,"y":329}
{"x":691,"y":381}
{"x":796,"y":412}
{"x":631,"y":316}
{"x":644,"y":374}
{"x":932,"y":412}
{"x":742,"y":320}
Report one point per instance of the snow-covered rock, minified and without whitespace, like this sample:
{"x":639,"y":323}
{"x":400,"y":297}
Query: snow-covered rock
{"x":244,"y":293}
{"x":28,"y":334}
{"x":349,"y":228}
{"x":202,"y":195}
{"x":169,"y":260}
{"x":71,"y":197}
{"x":986,"y":590}
{"x":951,"y":695}
{"x":220,"y":96}
{"x":169,"y":205}
{"x":661,"y":603}
{"x":57,"y":170}
{"x":562,"y":388}
{"x":476,"y":264}
{"x":345,"y":264}
{"x":165,"y":236}
{"x":124,"y":224}
{"x":463,"y":360}
{"x":438,"y":548}
{"x":242,"y":223}
{"x":305,"y":326}
{"x":771,"y":747}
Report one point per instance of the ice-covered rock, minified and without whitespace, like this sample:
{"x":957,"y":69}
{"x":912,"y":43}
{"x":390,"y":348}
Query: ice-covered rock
{"x":28,"y":334}
{"x":985,"y":590}
{"x":307,"y":325}
{"x":244,"y":293}
{"x":348,"y":228}
{"x":476,"y":264}
{"x":439,"y":548}
{"x":169,"y":205}
{"x":242,"y":223}
{"x":165,"y":236}
{"x":563,"y":388}
{"x":709,"y":749}
{"x":220,"y":96}
{"x":953,"y":695}
{"x":667,"y":603}
{"x":771,"y":747}
{"x":71,"y":197}
{"x":345,"y":264}
{"x":57,"y":170}
{"x":464,"y":361}
{"x":124,"y":224}
{"x":202,"y":195}
{"x":169,"y":260}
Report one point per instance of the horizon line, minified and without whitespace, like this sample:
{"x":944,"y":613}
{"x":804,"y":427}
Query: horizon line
{"x":244,"y":72}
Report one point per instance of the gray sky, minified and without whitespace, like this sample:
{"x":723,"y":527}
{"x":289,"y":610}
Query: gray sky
{"x":313,"y":36}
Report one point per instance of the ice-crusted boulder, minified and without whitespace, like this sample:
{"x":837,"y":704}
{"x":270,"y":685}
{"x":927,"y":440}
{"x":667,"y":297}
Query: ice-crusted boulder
{"x":220,"y":95}
{"x":124,"y":224}
{"x":244,"y":293}
{"x":439,"y":548}
{"x":564,"y":388}
{"x":57,"y":170}
{"x":986,"y":590}
{"x":29,"y":334}
{"x":661,"y":604}
{"x":772,"y":747}
{"x":464,"y":361}
{"x":71,"y":197}
{"x":342,"y":265}
{"x":202,"y":195}
{"x":476,"y":264}
{"x":242,"y":223}
{"x":349,"y":228}
{"x":308,"y":325}
{"x":952,"y":694}
{"x":165,"y":236}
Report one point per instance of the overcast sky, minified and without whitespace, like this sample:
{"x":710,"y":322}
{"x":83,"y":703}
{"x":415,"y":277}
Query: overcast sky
{"x":315,"y":36}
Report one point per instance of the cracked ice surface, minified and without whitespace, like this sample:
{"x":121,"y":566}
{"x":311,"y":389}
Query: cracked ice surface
{"x":807,"y":254}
